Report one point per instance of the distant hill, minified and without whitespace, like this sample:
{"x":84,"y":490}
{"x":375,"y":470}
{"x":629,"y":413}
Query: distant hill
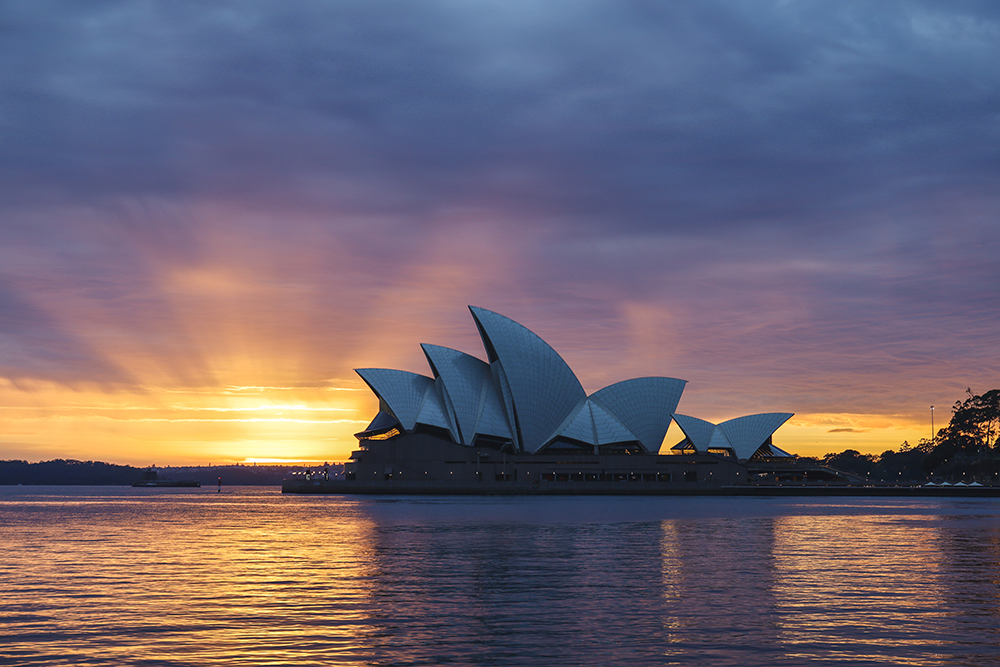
{"x":67,"y":471}
{"x":71,"y":472}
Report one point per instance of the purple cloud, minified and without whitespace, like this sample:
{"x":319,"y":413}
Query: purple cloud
{"x":792,"y":206}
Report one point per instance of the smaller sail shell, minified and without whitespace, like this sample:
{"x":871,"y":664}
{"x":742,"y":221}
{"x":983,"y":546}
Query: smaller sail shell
{"x":743,"y":435}
{"x":402,"y":391}
{"x":579,"y":424}
{"x":747,"y":434}
{"x":698,"y":431}
{"x":467,"y":384}
{"x":643,"y":406}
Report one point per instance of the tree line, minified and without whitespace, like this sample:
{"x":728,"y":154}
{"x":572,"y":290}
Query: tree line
{"x":67,"y":471}
{"x":92,"y":473}
{"x":964,"y":450}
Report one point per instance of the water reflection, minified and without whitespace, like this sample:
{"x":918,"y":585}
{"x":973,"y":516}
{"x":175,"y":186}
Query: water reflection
{"x":717,"y":579}
{"x":255,"y":578}
{"x":169,"y":578}
{"x":875,"y":581}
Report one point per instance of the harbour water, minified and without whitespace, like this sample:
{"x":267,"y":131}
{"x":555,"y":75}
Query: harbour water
{"x":122,"y":576}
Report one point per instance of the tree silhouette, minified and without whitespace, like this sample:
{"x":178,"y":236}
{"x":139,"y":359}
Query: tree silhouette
{"x":974,"y":428}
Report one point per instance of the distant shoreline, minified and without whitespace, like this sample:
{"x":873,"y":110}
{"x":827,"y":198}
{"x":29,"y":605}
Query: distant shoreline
{"x":68,"y":472}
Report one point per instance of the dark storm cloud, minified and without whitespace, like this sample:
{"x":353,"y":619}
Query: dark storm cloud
{"x":710,"y":113}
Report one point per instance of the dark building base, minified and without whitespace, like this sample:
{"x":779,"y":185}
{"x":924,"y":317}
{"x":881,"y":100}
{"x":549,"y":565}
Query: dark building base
{"x":422,"y":463}
{"x":427,"y":464}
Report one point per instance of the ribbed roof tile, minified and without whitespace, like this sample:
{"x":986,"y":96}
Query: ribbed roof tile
{"x":698,"y":431}
{"x":543,"y":389}
{"x":402,"y":391}
{"x":644,"y":406}
{"x":747,"y":434}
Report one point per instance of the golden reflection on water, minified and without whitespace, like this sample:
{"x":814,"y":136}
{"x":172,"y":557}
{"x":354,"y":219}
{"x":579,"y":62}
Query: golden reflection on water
{"x":875,"y":585}
{"x":251,"y":577}
{"x":716,"y":579}
{"x":671,"y":583}
{"x":124,"y":580}
{"x":874,"y":578}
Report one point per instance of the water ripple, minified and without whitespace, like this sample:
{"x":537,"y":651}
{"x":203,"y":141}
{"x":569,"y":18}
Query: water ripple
{"x":251,"y":577}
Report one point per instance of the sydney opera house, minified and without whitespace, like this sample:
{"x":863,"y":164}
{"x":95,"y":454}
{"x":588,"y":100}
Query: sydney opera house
{"x":521,"y":422}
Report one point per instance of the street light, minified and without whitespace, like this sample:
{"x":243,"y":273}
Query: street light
{"x":932,"y":422}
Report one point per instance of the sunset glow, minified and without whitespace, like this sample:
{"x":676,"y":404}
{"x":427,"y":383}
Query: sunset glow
{"x":209,"y":219}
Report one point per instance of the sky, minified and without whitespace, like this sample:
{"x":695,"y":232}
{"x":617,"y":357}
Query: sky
{"x":211,"y":213}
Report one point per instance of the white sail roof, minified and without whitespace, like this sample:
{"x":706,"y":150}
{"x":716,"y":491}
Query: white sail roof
{"x":608,"y":428}
{"x":579,"y":425}
{"x":747,"y":434}
{"x":698,"y":431}
{"x":643,"y":406}
{"x":492,"y":419}
{"x":719,"y":440}
{"x":461,"y":382}
{"x":594,"y":425}
{"x":775,"y":451}
{"x":743,"y":435}
{"x":467,"y":385}
{"x":403,"y":392}
{"x":529,"y":395}
{"x":543,"y":389}
{"x":433,"y":413}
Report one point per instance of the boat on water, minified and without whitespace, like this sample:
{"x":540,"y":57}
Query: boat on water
{"x":151,"y":478}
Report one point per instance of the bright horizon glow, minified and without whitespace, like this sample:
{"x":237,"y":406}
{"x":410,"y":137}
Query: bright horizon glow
{"x":45,"y":421}
{"x":237,"y":422}
{"x":50,"y":422}
{"x":287,"y":461}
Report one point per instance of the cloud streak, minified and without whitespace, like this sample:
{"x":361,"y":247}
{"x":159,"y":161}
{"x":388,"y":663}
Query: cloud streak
{"x":792,"y":205}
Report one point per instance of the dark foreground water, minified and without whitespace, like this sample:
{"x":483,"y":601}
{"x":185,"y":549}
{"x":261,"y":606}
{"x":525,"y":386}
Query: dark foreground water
{"x":97,"y":576}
